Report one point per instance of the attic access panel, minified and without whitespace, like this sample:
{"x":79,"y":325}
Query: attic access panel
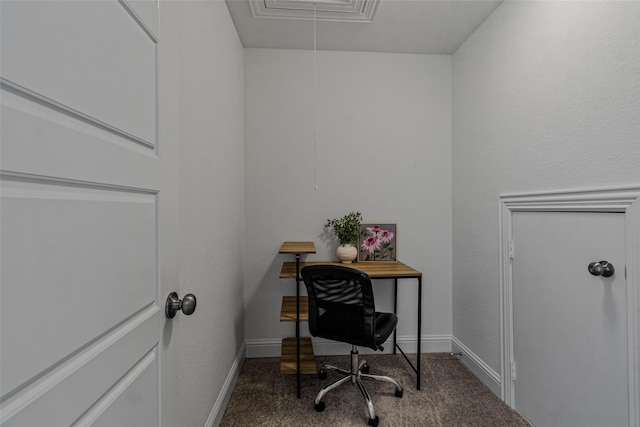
{"x":326,"y":10}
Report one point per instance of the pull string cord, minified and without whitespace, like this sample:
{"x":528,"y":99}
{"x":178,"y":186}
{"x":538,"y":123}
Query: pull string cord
{"x":315,"y":100}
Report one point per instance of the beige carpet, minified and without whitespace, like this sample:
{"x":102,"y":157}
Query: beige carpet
{"x":450,"y":396}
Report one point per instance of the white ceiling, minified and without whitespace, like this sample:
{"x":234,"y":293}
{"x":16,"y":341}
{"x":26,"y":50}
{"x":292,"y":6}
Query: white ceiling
{"x":401,"y":26}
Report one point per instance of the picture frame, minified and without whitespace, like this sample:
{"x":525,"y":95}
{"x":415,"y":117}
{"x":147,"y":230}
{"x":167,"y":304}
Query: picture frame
{"x":378,"y":242}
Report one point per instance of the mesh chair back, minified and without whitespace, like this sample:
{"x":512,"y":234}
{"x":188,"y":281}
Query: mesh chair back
{"x":341,"y":304}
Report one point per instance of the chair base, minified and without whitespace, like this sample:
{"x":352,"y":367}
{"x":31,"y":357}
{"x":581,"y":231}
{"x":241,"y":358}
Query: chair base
{"x":359,"y":370}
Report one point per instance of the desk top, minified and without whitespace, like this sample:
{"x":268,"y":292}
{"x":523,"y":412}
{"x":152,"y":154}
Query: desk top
{"x":298,"y":248}
{"x":375,"y":270}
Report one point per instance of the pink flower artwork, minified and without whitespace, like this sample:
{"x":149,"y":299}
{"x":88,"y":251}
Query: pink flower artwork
{"x":370,"y":244}
{"x":378,"y":242}
{"x":385,"y":235}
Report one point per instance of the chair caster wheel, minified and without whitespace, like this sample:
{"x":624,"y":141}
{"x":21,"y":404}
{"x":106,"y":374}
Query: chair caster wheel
{"x":322,"y":374}
{"x":365,"y":369}
{"x":398,"y":393}
{"x":374,"y":421}
{"x":320,"y":406}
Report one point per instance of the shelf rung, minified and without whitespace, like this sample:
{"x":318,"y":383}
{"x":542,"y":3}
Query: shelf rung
{"x":288,"y":356}
{"x":298,"y":248}
{"x":288,"y":309}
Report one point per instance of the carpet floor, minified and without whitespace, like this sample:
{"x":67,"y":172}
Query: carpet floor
{"x":450,"y":395}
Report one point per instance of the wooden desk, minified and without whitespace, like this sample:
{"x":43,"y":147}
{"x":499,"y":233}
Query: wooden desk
{"x":376,"y":270}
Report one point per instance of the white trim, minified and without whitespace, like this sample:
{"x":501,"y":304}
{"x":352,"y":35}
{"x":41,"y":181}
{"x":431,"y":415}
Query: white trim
{"x":479,"y":368}
{"x":633,"y":305}
{"x":430,"y":344}
{"x":263,"y":348}
{"x":346,"y":11}
{"x":624,"y":200}
{"x":128,"y":6}
{"x":215,"y":416}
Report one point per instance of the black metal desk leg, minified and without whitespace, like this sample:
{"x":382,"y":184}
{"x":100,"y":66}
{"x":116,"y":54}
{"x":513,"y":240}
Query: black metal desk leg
{"x":419,"y":366}
{"x":395,"y":311}
{"x":298,"y":325}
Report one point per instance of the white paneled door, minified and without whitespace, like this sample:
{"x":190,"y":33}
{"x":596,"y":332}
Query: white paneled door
{"x":570,"y":342}
{"x":86,"y":214}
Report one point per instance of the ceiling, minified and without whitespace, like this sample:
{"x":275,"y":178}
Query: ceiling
{"x":400,"y":26}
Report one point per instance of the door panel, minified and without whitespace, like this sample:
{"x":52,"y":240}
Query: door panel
{"x":37,"y":125}
{"x":81,"y":315}
{"x":569,"y":327}
{"x":130,"y":404}
{"x":92,"y":58}
{"x":62,"y":394}
{"x":107,"y":238}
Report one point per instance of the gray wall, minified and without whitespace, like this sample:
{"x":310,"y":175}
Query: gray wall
{"x":383,"y":147}
{"x":211,"y":204}
{"x":546,"y":96}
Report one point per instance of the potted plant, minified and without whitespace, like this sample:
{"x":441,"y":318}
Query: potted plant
{"x":347,"y":231}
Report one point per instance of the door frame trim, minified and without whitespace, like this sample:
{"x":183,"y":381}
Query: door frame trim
{"x":624,"y":200}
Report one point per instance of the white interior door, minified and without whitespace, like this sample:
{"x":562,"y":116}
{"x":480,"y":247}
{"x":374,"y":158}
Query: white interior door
{"x":85,"y":164}
{"x":570,"y":327}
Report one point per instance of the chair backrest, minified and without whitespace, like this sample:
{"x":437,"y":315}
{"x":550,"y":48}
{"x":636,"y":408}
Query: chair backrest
{"x":341,"y":304}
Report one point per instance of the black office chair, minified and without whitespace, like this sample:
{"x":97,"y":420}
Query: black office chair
{"x":342,"y":308}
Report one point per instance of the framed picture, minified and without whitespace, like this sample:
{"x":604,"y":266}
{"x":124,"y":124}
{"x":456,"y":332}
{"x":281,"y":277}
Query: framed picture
{"x":378,"y":242}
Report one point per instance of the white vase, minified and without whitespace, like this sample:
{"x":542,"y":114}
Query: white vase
{"x":347,"y":253}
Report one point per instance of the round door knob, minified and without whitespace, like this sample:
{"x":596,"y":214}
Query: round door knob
{"x":601,"y":268}
{"x":595,"y":268}
{"x":187,"y":305}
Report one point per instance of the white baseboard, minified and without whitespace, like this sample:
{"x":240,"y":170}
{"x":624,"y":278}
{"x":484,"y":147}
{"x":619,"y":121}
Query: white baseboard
{"x":322,"y":347}
{"x":430,"y":344}
{"x":215,"y":416}
{"x":479,"y":368}
{"x":263,"y":348}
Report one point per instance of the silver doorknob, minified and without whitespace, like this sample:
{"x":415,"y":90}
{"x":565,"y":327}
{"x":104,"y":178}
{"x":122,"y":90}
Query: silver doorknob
{"x":601,"y":268}
{"x":186,"y":304}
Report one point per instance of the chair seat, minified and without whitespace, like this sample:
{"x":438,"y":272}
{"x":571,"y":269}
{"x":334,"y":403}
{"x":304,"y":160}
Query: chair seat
{"x":348,"y":327}
{"x":385,"y":325}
